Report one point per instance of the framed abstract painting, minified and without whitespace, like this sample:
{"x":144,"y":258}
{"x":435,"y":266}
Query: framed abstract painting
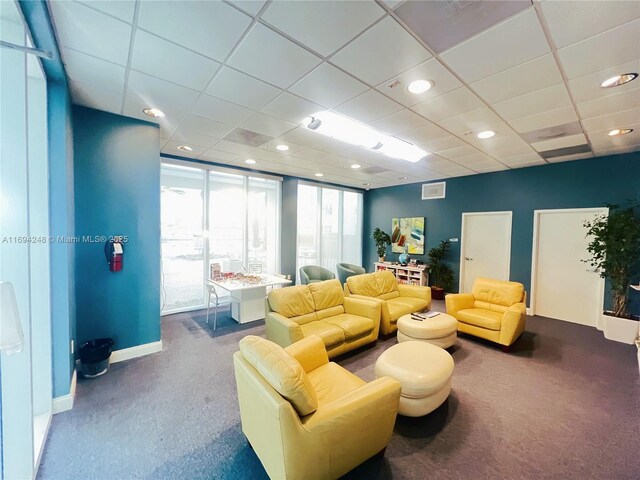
{"x":408,"y":235}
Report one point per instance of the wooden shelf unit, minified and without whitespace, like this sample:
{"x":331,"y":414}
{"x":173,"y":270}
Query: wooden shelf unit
{"x":409,"y":274}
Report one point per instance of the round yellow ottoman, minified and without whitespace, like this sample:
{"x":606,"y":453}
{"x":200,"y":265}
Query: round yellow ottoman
{"x":423,"y":370}
{"x":441,"y":330}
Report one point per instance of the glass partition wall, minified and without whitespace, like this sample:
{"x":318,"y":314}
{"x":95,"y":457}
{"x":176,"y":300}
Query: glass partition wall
{"x":214,"y":216}
{"x":329,"y":226}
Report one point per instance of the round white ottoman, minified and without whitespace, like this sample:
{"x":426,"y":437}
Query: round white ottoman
{"x":423,"y":370}
{"x":441,"y":330}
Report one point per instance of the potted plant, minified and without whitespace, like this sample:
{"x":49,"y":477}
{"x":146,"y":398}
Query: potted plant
{"x":382,"y":240}
{"x":440,"y":274}
{"x":615,"y":252}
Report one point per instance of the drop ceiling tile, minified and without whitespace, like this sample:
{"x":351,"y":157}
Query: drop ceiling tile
{"x":160,"y":93}
{"x":336,"y":147}
{"x":93,"y":71}
{"x":501,"y":144}
{"x":334,"y":23}
{"x":304,"y":136}
{"x":495,"y":50}
{"x":369,"y":106}
{"x":401,"y":121}
{"x":566,"y":158}
{"x":121,"y":9}
{"x":548,"y":118}
{"x":615,"y":120}
{"x":618,"y":151}
{"x":442,"y":81}
{"x":92,"y":97}
{"x":239,"y":88}
{"x":193,"y":139}
{"x":534,"y":102}
{"x":603,"y":141}
{"x":133,"y":107}
{"x":588,"y":18}
{"x":445,"y":143}
{"x":206,"y":126}
{"x":522,"y":160}
{"x":490,"y":167}
{"x":562,"y":142}
{"x":218,"y":155}
{"x":291,"y":108}
{"x":155,"y":56}
{"x":274,"y":127}
{"x":209,"y":28}
{"x":252,"y":7}
{"x":328,"y":86}
{"x":271,"y":146}
{"x":610,"y":104}
{"x":474,"y":121}
{"x":458,"y":152}
{"x":424,"y":135}
{"x":527,"y":77}
{"x":271,"y":57}
{"x":99,"y":35}
{"x":588,"y":86}
{"x":382,"y":52}
{"x":453,"y":103}
{"x":171,"y":147}
{"x":232,"y":147}
{"x":220,"y":110}
{"x":613,"y":47}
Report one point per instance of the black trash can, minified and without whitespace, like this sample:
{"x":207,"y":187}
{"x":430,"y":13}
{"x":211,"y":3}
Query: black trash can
{"x":94,"y":357}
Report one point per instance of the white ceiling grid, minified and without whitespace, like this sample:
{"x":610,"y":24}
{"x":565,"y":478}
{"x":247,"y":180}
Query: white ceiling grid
{"x":263,"y":66}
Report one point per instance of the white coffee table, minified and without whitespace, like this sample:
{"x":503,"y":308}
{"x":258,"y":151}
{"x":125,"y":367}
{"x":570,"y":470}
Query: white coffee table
{"x":441,"y":330}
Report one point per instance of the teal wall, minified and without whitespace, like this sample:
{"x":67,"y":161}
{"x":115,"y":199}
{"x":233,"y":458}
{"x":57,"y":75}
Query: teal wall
{"x":117,"y":192}
{"x":578,"y":184}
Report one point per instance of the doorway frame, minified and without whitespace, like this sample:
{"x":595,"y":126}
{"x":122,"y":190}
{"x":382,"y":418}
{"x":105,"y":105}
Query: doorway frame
{"x":534,"y":253}
{"x":509,"y":214}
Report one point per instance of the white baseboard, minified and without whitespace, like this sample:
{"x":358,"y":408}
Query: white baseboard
{"x":65,"y":402}
{"x":528,"y":311}
{"x":137,"y":351}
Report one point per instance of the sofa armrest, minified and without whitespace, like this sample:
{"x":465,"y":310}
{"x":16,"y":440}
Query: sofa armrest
{"x":310,"y":352}
{"x":512,"y":324}
{"x":458,"y":301}
{"x":361,"y":411}
{"x":365,"y":307}
{"x":416,"y":291}
{"x":281,"y":330}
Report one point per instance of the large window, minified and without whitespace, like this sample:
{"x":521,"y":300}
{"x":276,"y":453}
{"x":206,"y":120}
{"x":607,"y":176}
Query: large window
{"x":211,"y":216}
{"x":329,"y":226}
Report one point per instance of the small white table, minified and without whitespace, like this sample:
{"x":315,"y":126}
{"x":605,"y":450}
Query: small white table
{"x":247,"y":296}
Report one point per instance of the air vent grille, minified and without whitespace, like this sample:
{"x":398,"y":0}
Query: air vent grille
{"x":431,"y":191}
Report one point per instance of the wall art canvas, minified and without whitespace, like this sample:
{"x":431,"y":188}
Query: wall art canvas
{"x":408,"y":233}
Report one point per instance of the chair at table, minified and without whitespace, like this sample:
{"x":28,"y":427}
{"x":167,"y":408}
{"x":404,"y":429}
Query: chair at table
{"x":315,"y":273}
{"x":346,"y":270}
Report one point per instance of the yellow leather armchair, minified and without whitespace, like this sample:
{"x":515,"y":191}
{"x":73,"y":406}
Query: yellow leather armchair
{"x":395,"y":299}
{"x":494,"y":310}
{"x":320,"y":308}
{"x":305,"y":417}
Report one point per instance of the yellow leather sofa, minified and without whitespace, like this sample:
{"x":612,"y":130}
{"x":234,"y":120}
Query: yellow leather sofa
{"x":395,"y":299}
{"x":320,"y":308}
{"x":494,"y":310}
{"x":305,"y":417}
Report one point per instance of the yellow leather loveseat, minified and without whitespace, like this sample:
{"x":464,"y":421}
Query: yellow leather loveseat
{"x":305,"y":417}
{"x":395,"y":300}
{"x":320,"y":308}
{"x":494,"y":310}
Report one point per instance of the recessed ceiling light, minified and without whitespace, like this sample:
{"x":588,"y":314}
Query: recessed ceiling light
{"x":619,"y":80}
{"x":154,"y":112}
{"x":185,"y":148}
{"x":418,"y":87}
{"x":282,"y":148}
{"x":403,"y":178}
{"x":355,"y":166}
{"x":486,"y":134}
{"x":319,"y":174}
{"x":620,"y":131}
{"x":250,"y":161}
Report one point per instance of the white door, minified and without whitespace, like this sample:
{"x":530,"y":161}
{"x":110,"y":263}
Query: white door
{"x":562,"y":285}
{"x":486,"y":247}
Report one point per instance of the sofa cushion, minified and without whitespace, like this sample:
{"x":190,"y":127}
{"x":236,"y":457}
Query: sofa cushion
{"x":331,"y":335}
{"x":283,"y":372}
{"x":403,"y":305}
{"x":497,"y":291}
{"x":481,"y":318}
{"x":354,"y":326}
{"x":331,"y":381}
{"x":386,"y":281}
{"x":292,"y":301}
{"x":363,"y":285}
{"x":330,"y":312}
{"x":389,"y":295}
{"x":327,"y":294}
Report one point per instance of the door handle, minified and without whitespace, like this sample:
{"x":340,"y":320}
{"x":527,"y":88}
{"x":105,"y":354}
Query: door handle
{"x":468,"y":258}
